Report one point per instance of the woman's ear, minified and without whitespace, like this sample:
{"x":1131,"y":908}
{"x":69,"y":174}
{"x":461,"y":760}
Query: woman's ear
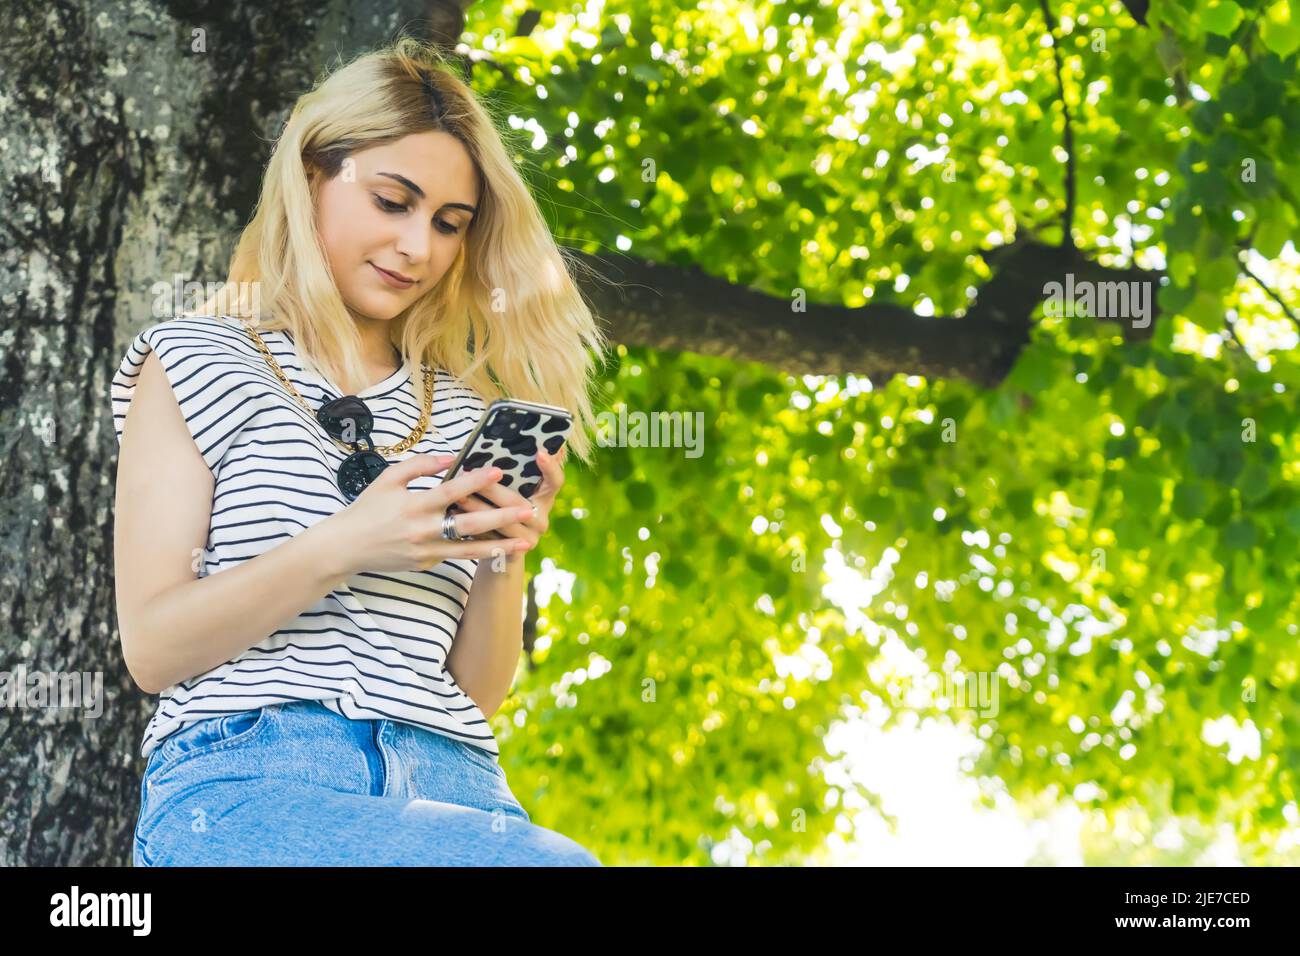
{"x":313,"y":176}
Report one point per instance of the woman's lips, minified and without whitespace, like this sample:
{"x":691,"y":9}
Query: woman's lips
{"x":391,"y":279}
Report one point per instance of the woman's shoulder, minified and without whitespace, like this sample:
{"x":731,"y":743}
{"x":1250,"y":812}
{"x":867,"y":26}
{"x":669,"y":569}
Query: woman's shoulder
{"x":210,"y":333}
{"x":212,"y":367}
{"x":212,"y":329}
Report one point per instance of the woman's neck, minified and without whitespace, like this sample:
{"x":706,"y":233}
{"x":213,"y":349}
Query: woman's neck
{"x":377,"y":349}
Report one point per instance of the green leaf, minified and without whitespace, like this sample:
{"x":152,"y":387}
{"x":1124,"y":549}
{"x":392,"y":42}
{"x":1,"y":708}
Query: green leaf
{"x":612,"y":37}
{"x":677,"y":573}
{"x":1141,"y":492}
{"x":1280,"y":30}
{"x":1293,"y":520}
{"x":1231,"y":461}
{"x":1203,"y":459}
{"x":1036,"y":369}
{"x":1206,"y":310}
{"x":1218,"y":275}
{"x":906,"y":477}
{"x":646,"y":73}
{"x":1175,"y":297}
{"x":1121,"y":448}
{"x":620,"y":462}
{"x":750,"y":400}
{"x":881,"y":508}
{"x":1254,"y":482}
{"x":1239,"y":534}
{"x":641,"y":496}
{"x":1020,"y":502}
{"x":1273,"y":232}
{"x":1221,"y":18}
{"x":1220,"y":509}
{"x":1208,"y":188}
{"x":1190,"y":500}
{"x":1182,"y":268}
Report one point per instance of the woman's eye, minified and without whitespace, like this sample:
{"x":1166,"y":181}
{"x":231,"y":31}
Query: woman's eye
{"x":446,"y":228}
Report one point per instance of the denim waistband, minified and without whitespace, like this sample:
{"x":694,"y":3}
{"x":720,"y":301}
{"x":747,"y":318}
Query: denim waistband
{"x":305,"y":741}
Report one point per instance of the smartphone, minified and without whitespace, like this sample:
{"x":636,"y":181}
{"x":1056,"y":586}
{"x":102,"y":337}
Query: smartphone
{"x":508,"y":437}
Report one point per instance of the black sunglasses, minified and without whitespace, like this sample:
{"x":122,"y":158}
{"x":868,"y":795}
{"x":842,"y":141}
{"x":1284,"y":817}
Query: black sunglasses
{"x":348,"y":420}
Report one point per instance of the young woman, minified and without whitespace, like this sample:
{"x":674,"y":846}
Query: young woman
{"x":327,"y":638}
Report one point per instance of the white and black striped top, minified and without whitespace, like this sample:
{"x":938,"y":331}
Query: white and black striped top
{"x":373,"y":648}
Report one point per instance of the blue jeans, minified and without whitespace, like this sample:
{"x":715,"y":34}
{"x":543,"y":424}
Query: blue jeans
{"x":295,"y":784}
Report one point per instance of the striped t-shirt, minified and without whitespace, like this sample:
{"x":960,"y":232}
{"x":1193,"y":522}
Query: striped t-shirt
{"x":373,"y":648}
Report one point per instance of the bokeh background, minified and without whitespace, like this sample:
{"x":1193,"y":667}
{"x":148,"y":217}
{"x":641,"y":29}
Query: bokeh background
{"x":949,"y":574}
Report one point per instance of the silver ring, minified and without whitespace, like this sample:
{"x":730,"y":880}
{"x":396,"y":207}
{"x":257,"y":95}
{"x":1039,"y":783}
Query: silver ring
{"x":536,"y":514}
{"x":449,"y":527}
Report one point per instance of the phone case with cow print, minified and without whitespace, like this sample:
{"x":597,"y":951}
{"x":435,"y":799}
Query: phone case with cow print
{"x":508,"y":437}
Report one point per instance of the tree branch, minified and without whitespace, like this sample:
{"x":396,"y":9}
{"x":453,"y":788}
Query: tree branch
{"x":1275,"y":297}
{"x":1067,"y":217}
{"x":1138,"y":9}
{"x":684,"y":309}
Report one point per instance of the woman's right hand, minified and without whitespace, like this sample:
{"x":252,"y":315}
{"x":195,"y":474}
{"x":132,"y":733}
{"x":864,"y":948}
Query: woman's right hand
{"x":392,"y":528}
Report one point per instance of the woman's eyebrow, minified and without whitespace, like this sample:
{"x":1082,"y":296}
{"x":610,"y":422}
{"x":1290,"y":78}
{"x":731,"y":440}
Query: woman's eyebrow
{"x":420,"y":192}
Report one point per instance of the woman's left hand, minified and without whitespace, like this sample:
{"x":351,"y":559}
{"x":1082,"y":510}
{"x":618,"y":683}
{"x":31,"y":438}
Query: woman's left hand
{"x":534,"y":526}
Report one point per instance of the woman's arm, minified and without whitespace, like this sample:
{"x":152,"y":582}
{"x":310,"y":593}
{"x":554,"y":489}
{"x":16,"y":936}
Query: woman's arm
{"x":174,"y":625}
{"x":485,"y":654}
{"x":486,"y":650}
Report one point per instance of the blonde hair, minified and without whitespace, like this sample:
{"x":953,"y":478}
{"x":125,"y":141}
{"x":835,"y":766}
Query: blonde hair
{"x":507,"y":317}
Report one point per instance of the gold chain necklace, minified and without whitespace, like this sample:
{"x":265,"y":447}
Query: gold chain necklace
{"x":416,"y":434}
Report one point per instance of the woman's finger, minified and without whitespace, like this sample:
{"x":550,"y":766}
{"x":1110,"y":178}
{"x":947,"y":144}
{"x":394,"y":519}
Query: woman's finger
{"x":463,"y":485}
{"x":483,"y":519}
{"x":501,"y":496}
{"x":552,"y":467}
{"x":517,"y":529}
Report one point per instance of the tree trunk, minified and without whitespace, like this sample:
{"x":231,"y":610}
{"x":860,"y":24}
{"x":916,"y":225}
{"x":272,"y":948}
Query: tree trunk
{"x":135,"y":147}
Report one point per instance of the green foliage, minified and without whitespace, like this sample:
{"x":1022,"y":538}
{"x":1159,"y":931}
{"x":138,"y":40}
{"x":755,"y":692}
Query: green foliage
{"x":1099,"y":531}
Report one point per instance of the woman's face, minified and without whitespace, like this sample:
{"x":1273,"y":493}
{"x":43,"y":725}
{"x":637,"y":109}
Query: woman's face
{"x":403,"y":207}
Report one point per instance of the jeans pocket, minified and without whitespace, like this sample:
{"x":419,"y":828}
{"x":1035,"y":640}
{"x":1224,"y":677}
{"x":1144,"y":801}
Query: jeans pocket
{"x":215,"y":733}
{"x":163,"y":786}
{"x":234,"y":726}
